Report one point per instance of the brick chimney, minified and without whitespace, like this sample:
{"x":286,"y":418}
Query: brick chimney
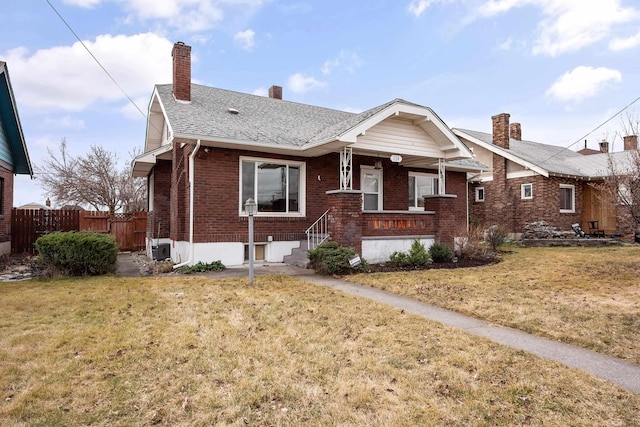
{"x":630,"y":142}
{"x":604,"y":146}
{"x":515,"y":131}
{"x":501,"y":130}
{"x":181,"y":71}
{"x":275,"y":92}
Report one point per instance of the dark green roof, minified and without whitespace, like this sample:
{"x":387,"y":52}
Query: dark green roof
{"x":11,"y":123}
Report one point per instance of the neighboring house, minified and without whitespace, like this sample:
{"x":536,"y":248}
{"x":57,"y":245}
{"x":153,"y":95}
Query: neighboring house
{"x":32,"y":206}
{"x":14,"y":158}
{"x":376,"y":180}
{"x":529,"y":181}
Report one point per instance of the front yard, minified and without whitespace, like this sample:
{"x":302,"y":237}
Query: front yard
{"x":589,"y":297}
{"x":196,"y":351}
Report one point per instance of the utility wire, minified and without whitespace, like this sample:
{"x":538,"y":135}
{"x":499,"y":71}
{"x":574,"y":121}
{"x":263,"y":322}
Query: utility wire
{"x":598,"y":127}
{"x":96,"y":59}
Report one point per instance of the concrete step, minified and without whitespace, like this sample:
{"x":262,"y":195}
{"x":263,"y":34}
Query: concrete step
{"x":299,"y":256}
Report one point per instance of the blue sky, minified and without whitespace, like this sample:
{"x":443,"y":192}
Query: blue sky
{"x":559,"y":67}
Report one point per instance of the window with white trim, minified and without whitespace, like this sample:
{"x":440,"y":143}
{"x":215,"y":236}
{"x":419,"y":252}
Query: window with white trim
{"x":479,"y":194}
{"x":526,"y":191}
{"x":421,"y":185}
{"x":567,"y":198}
{"x":277,"y":186}
{"x":371,"y":187}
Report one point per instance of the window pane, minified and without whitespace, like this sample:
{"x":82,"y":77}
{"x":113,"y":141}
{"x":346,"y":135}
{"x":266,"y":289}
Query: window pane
{"x":248,"y":181}
{"x":271,"y":187}
{"x":370,"y":202}
{"x":566,"y":199}
{"x":294,"y":188}
{"x":370,"y":183}
{"x":426,"y":187}
{"x":412,"y":191}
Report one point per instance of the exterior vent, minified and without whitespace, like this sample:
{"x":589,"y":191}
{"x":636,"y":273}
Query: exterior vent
{"x":232,"y":111}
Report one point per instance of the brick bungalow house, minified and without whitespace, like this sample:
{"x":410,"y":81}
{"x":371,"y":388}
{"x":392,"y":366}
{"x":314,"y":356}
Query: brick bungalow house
{"x":529,"y":181}
{"x":14,"y":157}
{"x":374,"y":181}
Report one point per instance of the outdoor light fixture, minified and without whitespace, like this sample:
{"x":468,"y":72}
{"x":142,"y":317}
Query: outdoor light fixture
{"x":395,"y":158}
{"x":377,"y":164}
{"x":250,"y":207}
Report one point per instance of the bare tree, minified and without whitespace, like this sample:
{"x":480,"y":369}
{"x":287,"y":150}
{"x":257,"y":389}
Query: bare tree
{"x":94,"y":179}
{"x":622,"y":182}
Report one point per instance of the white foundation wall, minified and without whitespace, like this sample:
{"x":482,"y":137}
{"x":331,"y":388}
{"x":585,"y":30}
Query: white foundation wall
{"x":229,"y":253}
{"x":375,"y":250}
{"x":276,"y":251}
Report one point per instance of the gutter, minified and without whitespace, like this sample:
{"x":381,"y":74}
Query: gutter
{"x":192,"y":174}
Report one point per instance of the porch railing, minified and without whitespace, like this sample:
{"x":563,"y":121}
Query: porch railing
{"x":318,"y":232}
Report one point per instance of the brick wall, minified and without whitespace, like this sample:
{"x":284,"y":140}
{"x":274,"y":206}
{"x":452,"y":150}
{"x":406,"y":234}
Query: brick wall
{"x":503,"y":204}
{"x":159,"y":219}
{"x":7,"y":205}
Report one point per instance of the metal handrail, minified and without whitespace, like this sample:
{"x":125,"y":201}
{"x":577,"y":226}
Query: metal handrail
{"x":318,"y":232}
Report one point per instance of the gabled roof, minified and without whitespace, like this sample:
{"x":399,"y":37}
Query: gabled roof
{"x":547,"y":159}
{"x":11,"y":122}
{"x":264,"y":123}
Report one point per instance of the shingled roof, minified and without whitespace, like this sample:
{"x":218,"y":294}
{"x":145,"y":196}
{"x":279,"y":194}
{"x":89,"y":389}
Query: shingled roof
{"x":551,"y":158}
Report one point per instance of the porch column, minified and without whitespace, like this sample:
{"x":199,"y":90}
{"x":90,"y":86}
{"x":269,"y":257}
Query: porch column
{"x":345,"y":218}
{"x":447,"y":218}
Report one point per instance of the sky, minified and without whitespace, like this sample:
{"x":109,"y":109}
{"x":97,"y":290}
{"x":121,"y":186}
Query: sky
{"x":561,"y":68}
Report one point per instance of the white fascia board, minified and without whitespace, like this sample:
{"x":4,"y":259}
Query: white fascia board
{"x":240,"y":144}
{"x":395,"y":109}
{"x":142,"y":164}
{"x":501,"y":152}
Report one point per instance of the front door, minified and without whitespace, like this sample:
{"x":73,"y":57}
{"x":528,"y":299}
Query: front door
{"x":371,"y":187}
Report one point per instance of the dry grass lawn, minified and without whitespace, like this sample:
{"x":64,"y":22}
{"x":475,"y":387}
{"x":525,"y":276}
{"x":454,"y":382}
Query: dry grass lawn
{"x":197,"y":352}
{"x":589,"y":297}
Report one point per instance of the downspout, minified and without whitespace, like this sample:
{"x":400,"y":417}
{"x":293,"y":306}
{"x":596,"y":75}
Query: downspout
{"x":192,"y":174}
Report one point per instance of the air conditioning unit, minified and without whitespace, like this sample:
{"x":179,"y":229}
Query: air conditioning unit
{"x":161,"y":251}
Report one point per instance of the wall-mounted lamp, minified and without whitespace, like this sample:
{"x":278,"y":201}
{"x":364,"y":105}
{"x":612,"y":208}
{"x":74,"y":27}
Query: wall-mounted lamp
{"x":395,"y":158}
{"x":377,"y":164}
{"x":207,"y":149}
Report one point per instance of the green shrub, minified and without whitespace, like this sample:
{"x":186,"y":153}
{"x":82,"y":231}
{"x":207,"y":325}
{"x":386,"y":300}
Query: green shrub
{"x":440,"y":252}
{"x":399,"y":259}
{"x":201,"y":267}
{"x":77,"y":253}
{"x":418,"y":255}
{"x":331,"y":258}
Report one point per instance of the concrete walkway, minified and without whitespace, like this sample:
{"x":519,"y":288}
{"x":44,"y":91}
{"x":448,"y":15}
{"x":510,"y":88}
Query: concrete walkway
{"x":617,"y":371}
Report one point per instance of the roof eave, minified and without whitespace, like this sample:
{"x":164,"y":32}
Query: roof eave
{"x":502,"y":152}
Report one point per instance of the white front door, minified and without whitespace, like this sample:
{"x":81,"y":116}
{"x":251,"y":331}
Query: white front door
{"x":371,"y":187}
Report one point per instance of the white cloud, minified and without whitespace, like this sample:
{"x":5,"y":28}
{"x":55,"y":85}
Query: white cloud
{"x":417,"y":7}
{"x":569,"y":25}
{"x":329,"y":65}
{"x":66,"y":77}
{"x":299,"y":83}
{"x":186,"y":15}
{"x":349,"y":61}
{"x":64,"y":122}
{"x":582,"y":82}
{"x":260,"y":92}
{"x":245,"y":39}
{"x":626,"y":43}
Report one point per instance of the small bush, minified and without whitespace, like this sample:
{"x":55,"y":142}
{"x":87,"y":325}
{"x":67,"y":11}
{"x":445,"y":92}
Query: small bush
{"x":331,"y":258}
{"x":495,"y":236}
{"x":201,"y":267}
{"x":440,"y":252}
{"x":77,"y":253}
{"x":418,"y":255}
{"x":399,"y":259}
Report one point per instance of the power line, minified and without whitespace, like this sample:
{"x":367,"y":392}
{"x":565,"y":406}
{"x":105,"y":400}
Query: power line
{"x":598,"y":127}
{"x":96,"y":59}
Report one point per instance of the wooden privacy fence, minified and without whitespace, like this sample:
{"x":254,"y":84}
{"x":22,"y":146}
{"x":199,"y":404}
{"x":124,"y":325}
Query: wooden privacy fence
{"x":129,"y":230}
